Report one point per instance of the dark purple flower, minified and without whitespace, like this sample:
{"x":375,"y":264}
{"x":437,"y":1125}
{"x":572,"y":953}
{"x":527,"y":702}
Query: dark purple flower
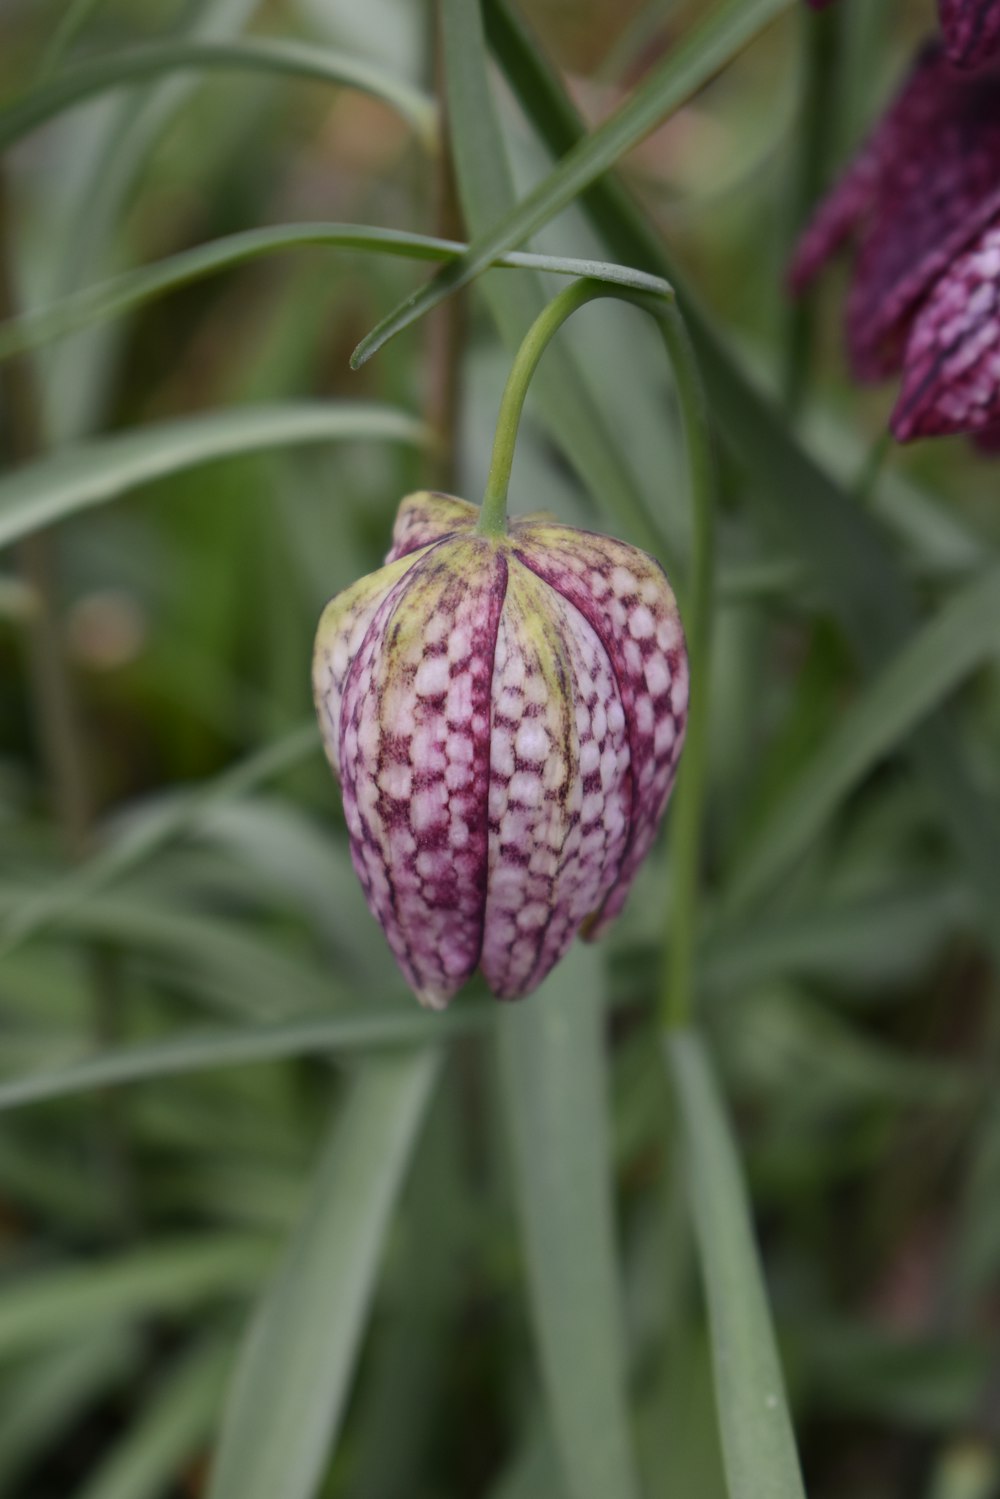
{"x":919,"y":198}
{"x":505,"y":715}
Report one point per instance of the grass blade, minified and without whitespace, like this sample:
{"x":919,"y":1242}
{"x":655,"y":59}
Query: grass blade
{"x":294,"y":1372}
{"x":53,"y":1391}
{"x":300,"y":59}
{"x":555,"y":1096}
{"x":203,"y":1051}
{"x":145,"y":834}
{"x":758,"y":1440}
{"x":94,"y":472}
{"x":929,"y":667}
{"x":175,"y":1421}
{"x":54,"y":1305}
{"x":121,"y":294}
{"x":707,"y":49}
{"x":570,"y":401}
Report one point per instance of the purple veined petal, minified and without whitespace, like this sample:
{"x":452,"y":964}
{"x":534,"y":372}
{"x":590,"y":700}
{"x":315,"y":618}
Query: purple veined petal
{"x":342,"y":627}
{"x":951,"y":376}
{"x":856,"y":194}
{"x":624,"y":596}
{"x":560,"y":784}
{"x":941,"y":191}
{"x":414,"y":756}
{"x":425,"y":517}
{"x":971,"y":30}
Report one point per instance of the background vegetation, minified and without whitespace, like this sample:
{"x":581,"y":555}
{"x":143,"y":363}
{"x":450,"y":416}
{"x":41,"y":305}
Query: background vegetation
{"x":380,"y":1253}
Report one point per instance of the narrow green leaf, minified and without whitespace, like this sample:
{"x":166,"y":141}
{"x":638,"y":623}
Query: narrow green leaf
{"x":203,"y":1051}
{"x":934,"y":661}
{"x":555,"y":1096}
{"x":569,"y":399}
{"x":144,"y":835}
{"x":702,"y":53}
{"x":176,"y":1276}
{"x":75,"y":392}
{"x":243,"y":966}
{"x":108,"y":299}
{"x":94,"y":472}
{"x":75,"y":16}
{"x":258,"y":54}
{"x":175,"y":1421}
{"x":50,"y":1393}
{"x":294,"y":1373}
{"x":884,"y":935}
{"x":758,"y":1439}
{"x":818,"y":522}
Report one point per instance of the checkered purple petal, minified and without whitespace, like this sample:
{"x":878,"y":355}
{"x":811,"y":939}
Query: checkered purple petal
{"x":951,"y":374}
{"x":425,"y":517}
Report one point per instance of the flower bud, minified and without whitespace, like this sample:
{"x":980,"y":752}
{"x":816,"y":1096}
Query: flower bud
{"x":505,"y":715}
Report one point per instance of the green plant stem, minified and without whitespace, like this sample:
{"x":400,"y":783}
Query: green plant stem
{"x":53,"y":702}
{"x":815,"y":140}
{"x":447,"y":326}
{"x":72,"y":22}
{"x":59,"y":724}
{"x":871,"y":469}
{"x":493,"y":515}
{"x":678,"y":981}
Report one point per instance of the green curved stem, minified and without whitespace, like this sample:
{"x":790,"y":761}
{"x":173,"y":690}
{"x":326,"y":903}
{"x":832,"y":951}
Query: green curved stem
{"x":87,"y":79}
{"x":678,"y":981}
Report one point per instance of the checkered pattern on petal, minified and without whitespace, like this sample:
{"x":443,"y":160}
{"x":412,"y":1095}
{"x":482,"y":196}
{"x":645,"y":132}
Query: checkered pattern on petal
{"x":342,"y":628}
{"x":624,"y":596}
{"x":414,"y":756}
{"x":425,"y":517}
{"x":951,"y":374}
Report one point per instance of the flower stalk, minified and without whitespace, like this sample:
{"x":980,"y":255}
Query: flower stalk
{"x":677,"y":993}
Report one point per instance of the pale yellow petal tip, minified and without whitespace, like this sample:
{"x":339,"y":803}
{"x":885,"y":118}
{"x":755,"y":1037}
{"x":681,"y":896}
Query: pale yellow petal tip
{"x":430,"y":1000}
{"x":427,"y":516}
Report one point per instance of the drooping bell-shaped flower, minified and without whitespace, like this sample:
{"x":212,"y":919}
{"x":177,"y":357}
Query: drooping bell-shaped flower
{"x":505,"y":715}
{"x":970,"y":29}
{"x":922,"y":198}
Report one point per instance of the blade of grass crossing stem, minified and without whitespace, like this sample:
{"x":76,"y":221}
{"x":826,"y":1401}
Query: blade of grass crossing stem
{"x":178,"y":1055}
{"x":758,"y":1440}
{"x":76,"y":390}
{"x":174,"y":1423}
{"x":53,"y":1305}
{"x":94,"y":472}
{"x":568,"y":399}
{"x":54,"y":1390}
{"x":294,"y":1371}
{"x":132,"y":289}
{"x":151,"y":830}
{"x":258,"y":54}
{"x":555,"y":1099}
{"x":702,"y":53}
{"x":571,"y":396}
{"x":819,"y":524}
{"x":934,"y":662}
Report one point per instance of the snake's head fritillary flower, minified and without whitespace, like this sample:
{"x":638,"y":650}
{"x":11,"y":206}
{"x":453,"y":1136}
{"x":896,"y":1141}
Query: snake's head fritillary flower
{"x":922,"y":199}
{"x":505,"y":715}
{"x":970,"y":29}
